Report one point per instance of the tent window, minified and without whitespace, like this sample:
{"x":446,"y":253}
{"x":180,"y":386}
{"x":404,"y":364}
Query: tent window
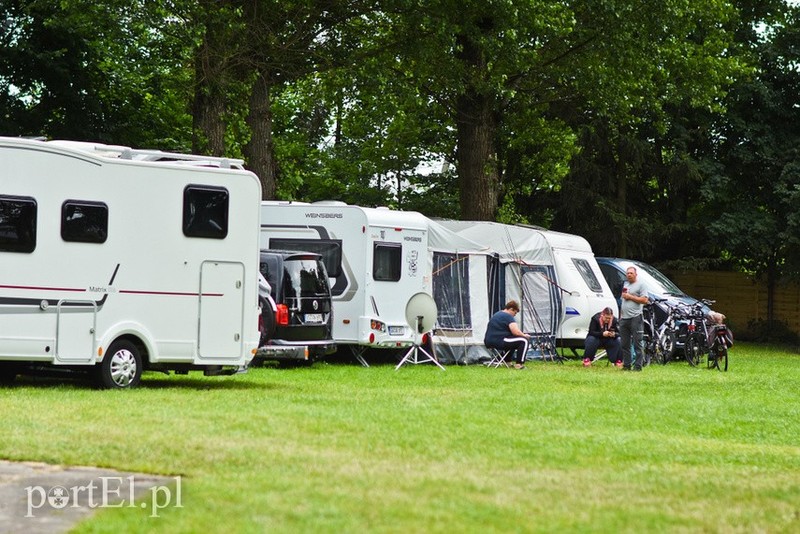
{"x":17,"y":224}
{"x":588,"y":274}
{"x":84,"y":222}
{"x":386,"y":262}
{"x":329,"y":249}
{"x":451,"y":290}
{"x":205,"y":211}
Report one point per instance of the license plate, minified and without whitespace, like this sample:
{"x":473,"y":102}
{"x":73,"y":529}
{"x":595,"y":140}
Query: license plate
{"x":396,"y":330}
{"x":313,"y":317}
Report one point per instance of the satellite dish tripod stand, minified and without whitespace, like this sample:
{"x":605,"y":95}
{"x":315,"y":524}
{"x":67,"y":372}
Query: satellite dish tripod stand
{"x":413,"y":356}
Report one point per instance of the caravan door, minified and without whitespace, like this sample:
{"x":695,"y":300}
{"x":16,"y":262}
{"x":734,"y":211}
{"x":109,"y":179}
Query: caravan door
{"x":76,"y":324}
{"x":221,"y":310}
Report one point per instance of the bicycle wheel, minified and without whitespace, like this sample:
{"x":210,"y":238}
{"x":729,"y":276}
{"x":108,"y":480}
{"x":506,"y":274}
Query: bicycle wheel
{"x":649,"y":350}
{"x":721,"y":361}
{"x":692,"y":351}
{"x":665,"y":347}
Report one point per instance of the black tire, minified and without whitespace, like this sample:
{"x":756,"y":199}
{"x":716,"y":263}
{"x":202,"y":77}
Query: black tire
{"x":267,"y":323}
{"x":666,"y":347}
{"x":649,"y":350}
{"x":121,"y":367}
{"x":721,"y":361}
{"x":692,"y":351}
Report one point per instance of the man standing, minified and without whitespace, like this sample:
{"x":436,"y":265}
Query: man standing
{"x":631,"y":323}
{"x":503,"y":333}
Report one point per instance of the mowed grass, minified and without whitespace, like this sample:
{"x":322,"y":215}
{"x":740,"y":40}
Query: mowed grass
{"x":341,"y":448}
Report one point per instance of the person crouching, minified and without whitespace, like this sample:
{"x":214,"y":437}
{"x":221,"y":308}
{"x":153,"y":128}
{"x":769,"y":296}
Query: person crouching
{"x":603,"y":332}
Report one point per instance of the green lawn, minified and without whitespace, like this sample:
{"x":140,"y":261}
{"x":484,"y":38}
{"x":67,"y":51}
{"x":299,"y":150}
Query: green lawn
{"x":341,"y":448}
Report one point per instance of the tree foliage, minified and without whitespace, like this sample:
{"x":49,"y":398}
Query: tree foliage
{"x":752,"y":184}
{"x":657,"y":129}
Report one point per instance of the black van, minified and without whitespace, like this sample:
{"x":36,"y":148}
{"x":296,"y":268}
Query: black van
{"x":297,"y":315}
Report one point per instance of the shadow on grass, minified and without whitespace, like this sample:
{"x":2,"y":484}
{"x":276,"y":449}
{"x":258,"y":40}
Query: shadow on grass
{"x":150,"y":380}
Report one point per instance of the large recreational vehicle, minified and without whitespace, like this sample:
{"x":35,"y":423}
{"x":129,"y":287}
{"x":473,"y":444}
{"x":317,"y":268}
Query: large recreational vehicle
{"x":117,"y":260}
{"x":376,"y":259}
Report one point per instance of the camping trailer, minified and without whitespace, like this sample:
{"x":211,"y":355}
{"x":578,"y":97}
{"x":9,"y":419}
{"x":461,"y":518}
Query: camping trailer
{"x":117,"y":260}
{"x":375,"y":258}
{"x":553,"y":275}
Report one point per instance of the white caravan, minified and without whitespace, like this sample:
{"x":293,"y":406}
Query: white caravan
{"x":375,"y":257}
{"x":554,"y":276}
{"x":117,"y":261}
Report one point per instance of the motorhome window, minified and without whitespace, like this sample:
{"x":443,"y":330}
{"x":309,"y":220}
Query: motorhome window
{"x":205,"y":211}
{"x":84,"y":222}
{"x":17,"y":224}
{"x":329,"y":249}
{"x":588,"y":275}
{"x":387,"y":262}
{"x":451,"y":290}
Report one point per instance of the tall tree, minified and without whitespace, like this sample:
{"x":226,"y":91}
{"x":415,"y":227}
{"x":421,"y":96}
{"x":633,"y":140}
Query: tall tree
{"x":490,"y":61}
{"x":750,"y":199}
{"x":83,"y":70}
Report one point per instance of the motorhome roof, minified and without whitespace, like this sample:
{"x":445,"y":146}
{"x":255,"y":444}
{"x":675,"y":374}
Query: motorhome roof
{"x":379,"y":217}
{"x":128,"y":153}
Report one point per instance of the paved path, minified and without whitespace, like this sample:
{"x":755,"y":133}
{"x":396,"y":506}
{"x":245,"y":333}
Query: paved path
{"x":43,"y":498}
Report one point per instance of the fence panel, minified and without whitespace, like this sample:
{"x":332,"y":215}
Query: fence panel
{"x":741,"y":298}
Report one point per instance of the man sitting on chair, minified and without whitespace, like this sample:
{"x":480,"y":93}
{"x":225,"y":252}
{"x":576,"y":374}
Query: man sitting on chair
{"x":503,"y":333}
{"x":603,"y":332}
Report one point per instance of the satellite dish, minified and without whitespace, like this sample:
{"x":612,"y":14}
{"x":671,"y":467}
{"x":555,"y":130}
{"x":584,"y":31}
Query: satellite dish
{"x":421,"y":312}
{"x":421,"y":316}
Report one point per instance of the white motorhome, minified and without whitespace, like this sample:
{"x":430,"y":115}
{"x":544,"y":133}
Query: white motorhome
{"x":376,"y":259}
{"x":117,"y":261}
{"x":553,"y":275}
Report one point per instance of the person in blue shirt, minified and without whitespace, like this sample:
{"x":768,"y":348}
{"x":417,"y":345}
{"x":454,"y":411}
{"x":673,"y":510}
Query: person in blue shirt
{"x":503,"y":333}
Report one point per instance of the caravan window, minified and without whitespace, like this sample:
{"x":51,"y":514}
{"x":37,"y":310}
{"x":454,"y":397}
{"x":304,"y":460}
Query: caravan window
{"x":451,"y":290}
{"x":588,"y":274}
{"x":84,"y":222}
{"x":387,"y":261}
{"x":205,"y":211}
{"x":17,"y":224}
{"x":329,"y":249}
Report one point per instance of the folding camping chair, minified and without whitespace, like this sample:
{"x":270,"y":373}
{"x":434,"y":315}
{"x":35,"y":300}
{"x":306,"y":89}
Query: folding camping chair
{"x":499,"y":357}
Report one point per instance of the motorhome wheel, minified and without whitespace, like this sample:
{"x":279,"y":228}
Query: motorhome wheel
{"x":121,"y":366}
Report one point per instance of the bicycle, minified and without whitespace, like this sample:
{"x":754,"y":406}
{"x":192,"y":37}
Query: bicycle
{"x":695,"y":345}
{"x":650,"y":334}
{"x":667,"y":333}
{"x":722,"y":340}
{"x":706,"y":338}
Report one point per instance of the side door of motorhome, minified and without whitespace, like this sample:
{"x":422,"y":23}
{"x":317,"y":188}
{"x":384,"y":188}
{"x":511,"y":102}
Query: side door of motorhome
{"x":221,"y":309}
{"x":76,"y":326}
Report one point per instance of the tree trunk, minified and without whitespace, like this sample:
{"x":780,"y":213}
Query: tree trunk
{"x":622,"y":198}
{"x":476,"y":157}
{"x":260,"y":150}
{"x":477,"y":162}
{"x":208,"y":132}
